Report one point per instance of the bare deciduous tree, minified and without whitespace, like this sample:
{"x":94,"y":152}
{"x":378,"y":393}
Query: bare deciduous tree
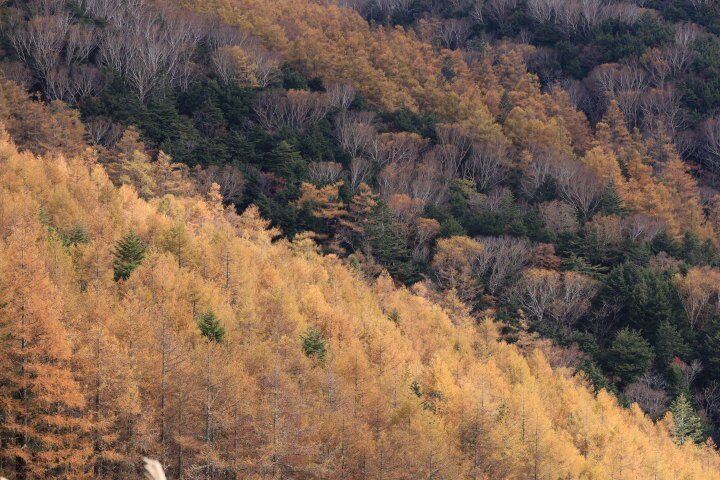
{"x":86,"y":81}
{"x":699,"y":4}
{"x":72,"y":85}
{"x":39,"y":42}
{"x":605,"y":76}
{"x":295,"y":109}
{"x":681,"y":54}
{"x":536,"y":169}
{"x":689,"y":371}
{"x":303,"y":108}
{"x":456,"y":135}
{"x":150,"y":48}
{"x":486,"y":164}
{"x":341,"y":95}
{"x":251,"y":64}
{"x":407,"y":210}
{"x":687,"y":143}
{"x":224,"y":64}
{"x":573,"y":300}
{"x":606,"y":229}
{"x":390,"y":7}
{"x":322,"y":173}
{"x":17,"y":72}
{"x":266,"y":65}
{"x":495,"y":200}
{"x":359,"y":5}
{"x":429,"y":182}
{"x":57,"y":84}
{"x":549,"y":296}
{"x":355,"y":132}
{"x":388,"y":148}
{"x":664,"y":104}
{"x":81,"y":41}
{"x":710,"y":131}
{"x":221,"y":35}
{"x":651,"y":401}
{"x":108,"y":9}
{"x":454,"y":33}
{"x":46,"y":7}
{"x":559,"y":216}
{"x":657,"y":66}
{"x":542,"y":10}
{"x":686,"y":33}
{"x":501,"y":260}
{"x":476,"y":11}
{"x":643,"y":228}
{"x":537,"y":290}
{"x":578,"y":185}
{"x":709,"y":398}
{"x":425,"y":230}
{"x":592,"y":12}
{"x":569,"y":17}
{"x":359,"y":173}
{"x":103,"y":131}
{"x":497,"y":10}
{"x":625,"y":12}
{"x":678,"y":57}
{"x":230,"y":179}
{"x":545,"y":62}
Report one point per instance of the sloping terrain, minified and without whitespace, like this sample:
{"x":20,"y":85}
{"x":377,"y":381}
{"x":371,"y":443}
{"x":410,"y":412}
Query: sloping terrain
{"x":228,"y":355}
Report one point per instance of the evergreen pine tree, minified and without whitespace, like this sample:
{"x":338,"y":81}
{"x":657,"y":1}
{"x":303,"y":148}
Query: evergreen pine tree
{"x":629,"y":356}
{"x":506,"y":105}
{"x":711,"y":352}
{"x":211,"y":328}
{"x":688,"y":426}
{"x":313,"y":344}
{"x":129,"y":253}
{"x":388,"y":246}
{"x":647,"y":297}
{"x":669,"y":342}
{"x":286,"y":162}
{"x":610,"y":201}
{"x":76,"y":235}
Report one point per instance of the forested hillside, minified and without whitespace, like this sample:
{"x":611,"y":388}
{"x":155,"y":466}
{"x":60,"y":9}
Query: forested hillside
{"x":175,"y":328}
{"x":658,"y":58}
{"x":381,"y":239}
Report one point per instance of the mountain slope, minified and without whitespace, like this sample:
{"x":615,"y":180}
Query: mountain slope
{"x":227,"y":354}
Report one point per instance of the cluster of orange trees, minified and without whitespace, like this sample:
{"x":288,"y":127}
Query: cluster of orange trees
{"x":173,"y":327}
{"x":140,"y":315}
{"x":489,"y":93}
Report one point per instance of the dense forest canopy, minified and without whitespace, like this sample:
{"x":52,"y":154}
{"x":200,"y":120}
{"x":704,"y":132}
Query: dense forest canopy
{"x":359,"y":239}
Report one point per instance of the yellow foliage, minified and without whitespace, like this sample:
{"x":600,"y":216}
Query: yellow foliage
{"x":396,"y":68}
{"x":426,"y":393}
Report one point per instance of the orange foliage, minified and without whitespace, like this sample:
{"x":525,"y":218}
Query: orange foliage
{"x":395,"y":68}
{"x":419,"y":393}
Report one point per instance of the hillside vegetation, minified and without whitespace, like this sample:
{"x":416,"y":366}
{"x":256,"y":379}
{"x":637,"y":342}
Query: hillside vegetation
{"x":356,"y":239}
{"x":228,"y":355}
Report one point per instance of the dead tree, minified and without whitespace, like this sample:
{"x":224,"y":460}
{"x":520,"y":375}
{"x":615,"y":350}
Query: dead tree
{"x":323,"y":173}
{"x":355,"y":132}
{"x":39,"y":42}
{"x":486,"y":164}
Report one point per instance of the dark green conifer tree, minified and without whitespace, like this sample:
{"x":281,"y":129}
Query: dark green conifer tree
{"x":314,"y":345}
{"x":629,"y":356}
{"x":669,"y":342}
{"x":210,"y":327}
{"x":129,"y":253}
